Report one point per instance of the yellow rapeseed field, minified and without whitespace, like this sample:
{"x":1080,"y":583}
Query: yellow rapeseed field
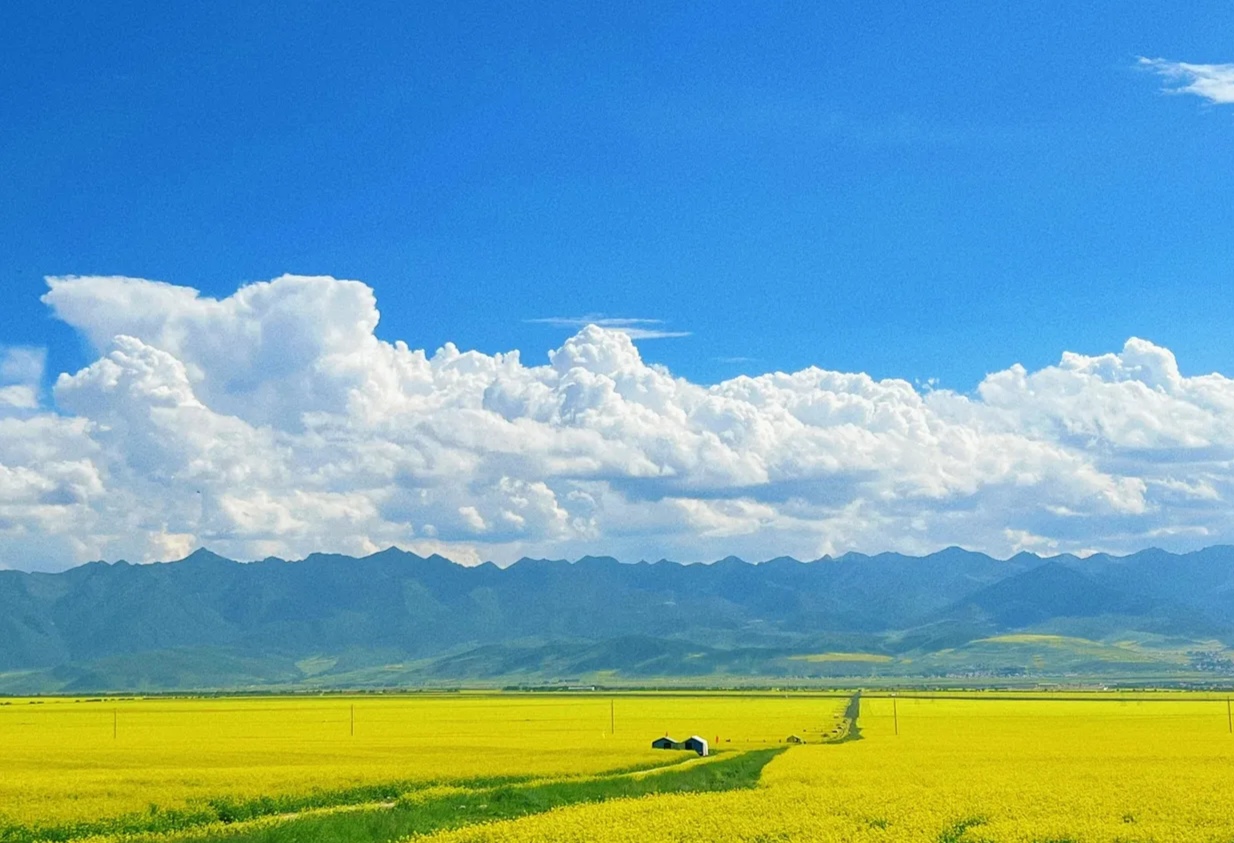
{"x":1096,"y":769}
{"x":65,"y":761}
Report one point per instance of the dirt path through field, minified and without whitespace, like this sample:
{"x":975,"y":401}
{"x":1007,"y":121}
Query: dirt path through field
{"x":849,"y":730}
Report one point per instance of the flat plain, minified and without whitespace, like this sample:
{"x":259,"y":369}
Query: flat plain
{"x":1051,"y":766}
{"x":87,"y":766}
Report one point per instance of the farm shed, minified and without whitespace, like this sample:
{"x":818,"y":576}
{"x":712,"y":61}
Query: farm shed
{"x":794,"y":739}
{"x":695,"y":743}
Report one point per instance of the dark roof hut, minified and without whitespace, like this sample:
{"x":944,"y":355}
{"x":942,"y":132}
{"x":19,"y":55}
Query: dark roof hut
{"x":666,"y":743}
{"x":794,"y":739}
{"x":695,"y":743}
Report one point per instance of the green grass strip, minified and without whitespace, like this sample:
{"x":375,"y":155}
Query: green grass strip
{"x":211,"y":811}
{"x":226,"y":809}
{"x":496,"y":803}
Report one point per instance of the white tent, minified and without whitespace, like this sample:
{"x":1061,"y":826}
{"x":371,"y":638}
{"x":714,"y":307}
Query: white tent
{"x":695,"y":743}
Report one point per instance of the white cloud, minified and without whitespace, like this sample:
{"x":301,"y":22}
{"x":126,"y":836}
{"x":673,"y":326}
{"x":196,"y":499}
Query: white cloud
{"x":635,"y":329}
{"x":274,"y":421}
{"x":18,"y":397}
{"x":1213,"y":82}
{"x":21,"y":375}
{"x":22,"y":364}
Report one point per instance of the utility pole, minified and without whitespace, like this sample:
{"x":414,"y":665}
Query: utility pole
{"x":895,"y":715}
{"x":1229,"y":718}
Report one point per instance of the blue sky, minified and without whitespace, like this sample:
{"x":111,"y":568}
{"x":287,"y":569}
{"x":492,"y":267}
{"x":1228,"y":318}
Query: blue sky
{"x":910,"y":191}
{"x":1002,"y":237}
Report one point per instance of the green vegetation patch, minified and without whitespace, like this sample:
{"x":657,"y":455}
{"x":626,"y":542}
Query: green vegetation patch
{"x":452,"y":808}
{"x":226,"y":810}
{"x":223,"y":811}
{"x":1068,"y":645}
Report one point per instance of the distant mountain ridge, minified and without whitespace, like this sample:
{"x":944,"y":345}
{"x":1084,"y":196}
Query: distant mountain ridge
{"x":395,"y":618}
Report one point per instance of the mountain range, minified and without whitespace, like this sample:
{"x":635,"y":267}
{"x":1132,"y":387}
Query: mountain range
{"x":395,"y":619}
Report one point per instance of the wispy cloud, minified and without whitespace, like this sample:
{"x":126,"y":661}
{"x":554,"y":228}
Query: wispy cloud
{"x":635,"y":329}
{"x":21,"y":370}
{"x":21,"y":364}
{"x":1213,"y":82}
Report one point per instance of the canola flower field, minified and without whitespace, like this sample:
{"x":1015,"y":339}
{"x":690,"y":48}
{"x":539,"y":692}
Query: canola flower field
{"x":996,"y":769}
{"x":103,"y":764}
{"x":1149,"y":766}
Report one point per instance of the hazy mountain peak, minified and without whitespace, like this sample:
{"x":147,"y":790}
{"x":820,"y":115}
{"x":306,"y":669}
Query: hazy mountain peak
{"x":200,"y":556}
{"x":392,"y":553}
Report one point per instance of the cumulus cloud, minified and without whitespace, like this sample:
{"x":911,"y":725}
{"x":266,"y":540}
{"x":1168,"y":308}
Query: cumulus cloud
{"x":1213,"y":82}
{"x":275,"y":422}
